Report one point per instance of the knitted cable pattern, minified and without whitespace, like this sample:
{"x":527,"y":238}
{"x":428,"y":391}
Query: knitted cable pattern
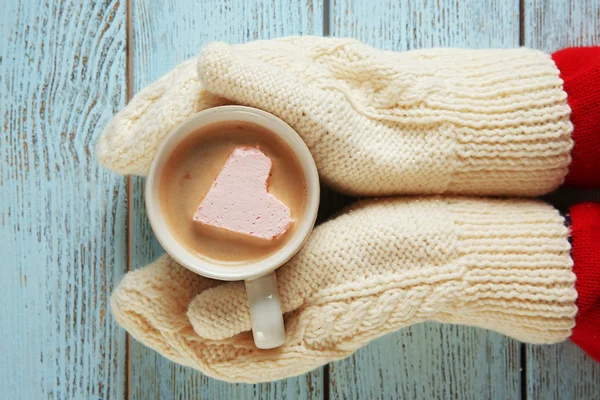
{"x":384,"y":265}
{"x":484,"y":122}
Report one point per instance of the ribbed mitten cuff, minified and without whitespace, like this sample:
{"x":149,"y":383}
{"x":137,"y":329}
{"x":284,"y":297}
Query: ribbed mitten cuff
{"x":519,"y":278}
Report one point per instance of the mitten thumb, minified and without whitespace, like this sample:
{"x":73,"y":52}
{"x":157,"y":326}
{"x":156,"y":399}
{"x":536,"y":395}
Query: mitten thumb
{"x":336,"y":247}
{"x":129,"y":142}
{"x":222,"y":312}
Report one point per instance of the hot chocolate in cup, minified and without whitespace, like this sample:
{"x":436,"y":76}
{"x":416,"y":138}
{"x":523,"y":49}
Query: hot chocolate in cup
{"x":191,"y":161}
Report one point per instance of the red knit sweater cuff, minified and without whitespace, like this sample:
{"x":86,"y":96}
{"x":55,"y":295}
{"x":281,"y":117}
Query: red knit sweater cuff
{"x":580,"y":70}
{"x":585,"y":238}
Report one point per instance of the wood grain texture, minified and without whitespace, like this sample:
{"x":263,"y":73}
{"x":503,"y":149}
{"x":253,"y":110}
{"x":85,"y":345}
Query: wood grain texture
{"x":429,"y":360}
{"x":562,"y":371}
{"x":414,"y":24}
{"x":551,"y":25}
{"x":62,"y":220}
{"x":166,"y":33}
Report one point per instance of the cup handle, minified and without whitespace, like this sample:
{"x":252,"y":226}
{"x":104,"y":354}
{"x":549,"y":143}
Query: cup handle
{"x":265,"y":312}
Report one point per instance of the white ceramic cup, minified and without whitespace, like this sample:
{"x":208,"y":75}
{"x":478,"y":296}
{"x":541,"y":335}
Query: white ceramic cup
{"x":259,"y":276}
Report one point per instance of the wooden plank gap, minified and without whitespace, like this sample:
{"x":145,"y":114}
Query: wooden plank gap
{"x":521,"y":22}
{"x":129,"y":46}
{"x":326,"y":17}
{"x":326,"y":385}
{"x":129,"y":93}
{"x":128,"y":338}
{"x":523,"y":355}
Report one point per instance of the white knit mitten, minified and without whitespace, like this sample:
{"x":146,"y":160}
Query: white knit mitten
{"x":386,"y":264}
{"x":376,"y":122}
{"x":485,"y":122}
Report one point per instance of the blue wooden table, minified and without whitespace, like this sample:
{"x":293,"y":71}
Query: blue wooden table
{"x":69,"y":230}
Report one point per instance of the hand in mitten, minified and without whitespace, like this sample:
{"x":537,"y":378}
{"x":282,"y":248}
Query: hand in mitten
{"x":377,"y":122}
{"x":384,"y":265}
{"x":389,"y":263}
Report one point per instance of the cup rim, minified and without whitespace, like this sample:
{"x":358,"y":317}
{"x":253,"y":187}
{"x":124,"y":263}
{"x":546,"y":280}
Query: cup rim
{"x":206,"y":267}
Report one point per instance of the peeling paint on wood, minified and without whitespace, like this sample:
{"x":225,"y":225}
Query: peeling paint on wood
{"x":430,"y":360}
{"x":165,"y":34}
{"x":63,"y":234}
{"x":562,"y":371}
{"x":62,"y":218}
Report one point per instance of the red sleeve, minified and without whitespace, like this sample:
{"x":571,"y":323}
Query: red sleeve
{"x":585,"y":239}
{"x":580,"y":70}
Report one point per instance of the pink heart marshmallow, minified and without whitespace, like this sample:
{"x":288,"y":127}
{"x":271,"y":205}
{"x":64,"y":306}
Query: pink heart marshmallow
{"x":239,"y":201}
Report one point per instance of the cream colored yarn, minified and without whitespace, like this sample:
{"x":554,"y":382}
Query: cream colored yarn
{"x":497,"y":264}
{"x":485,"y":122}
{"x":426,"y":122}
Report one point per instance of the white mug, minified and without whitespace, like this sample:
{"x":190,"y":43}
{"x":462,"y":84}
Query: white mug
{"x":259,"y":276}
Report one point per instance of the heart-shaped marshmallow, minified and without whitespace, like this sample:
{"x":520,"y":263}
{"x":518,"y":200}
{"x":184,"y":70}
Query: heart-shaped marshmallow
{"x":239,"y":201}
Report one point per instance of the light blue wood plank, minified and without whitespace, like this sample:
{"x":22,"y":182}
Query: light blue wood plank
{"x":430,"y":360}
{"x":165,"y":34}
{"x":562,"y":371}
{"x":551,"y":25}
{"x":62,"y":220}
{"x":414,"y":24}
